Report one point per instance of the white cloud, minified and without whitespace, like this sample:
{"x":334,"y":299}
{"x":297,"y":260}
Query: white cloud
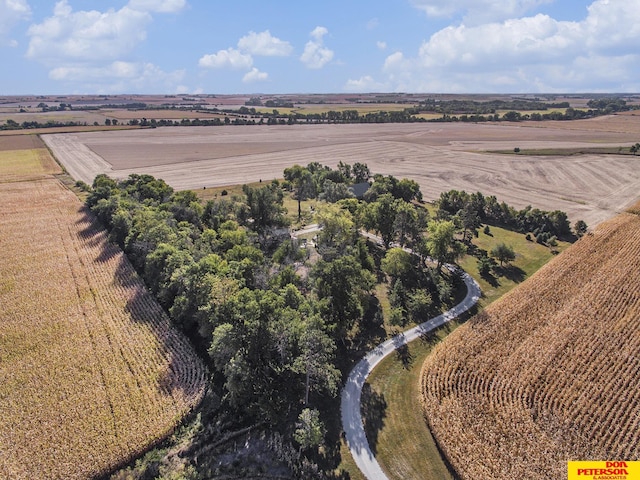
{"x":260,"y":44}
{"x":91,"y":48}
{"x":381,"y":45}
{"x":475,"y":12}
{"x":373,"y":24}
{"x":315,"y":55}
{"x":12,"y":12}
{"x":318,"y":32}
{"x":535,"y":53}
{"x":160,"y":6}
{"x":88,"y":36}
{"x":122,"y":76}
{"x":365,"y":84}
{"x":255,"y":75}
{"x":264,"y":44}
{"x":230,"y":58}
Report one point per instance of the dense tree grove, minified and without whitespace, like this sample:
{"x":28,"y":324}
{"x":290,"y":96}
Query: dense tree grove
{"x":278,"y":330}
{"x":471,"y":209}
{"x":226,"y":271}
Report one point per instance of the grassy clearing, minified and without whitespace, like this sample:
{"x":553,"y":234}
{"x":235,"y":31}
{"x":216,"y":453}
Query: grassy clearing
{"x":530,"y":256}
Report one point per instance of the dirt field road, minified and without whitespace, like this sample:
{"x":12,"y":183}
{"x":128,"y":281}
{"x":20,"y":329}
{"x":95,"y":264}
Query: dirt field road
{"x":439,"y":157}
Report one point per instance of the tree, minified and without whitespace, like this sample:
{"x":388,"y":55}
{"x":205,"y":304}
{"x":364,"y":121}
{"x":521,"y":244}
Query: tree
{"x":343,"y":285}
{"x":360,"y":172}
{"x":441,"y":244}
{"x":380,"y":217}
{"x":302,"y":181}
{"x":338,"y":228}
{"x":397,"y":263}
{"x":503,"y":253}
{"x":345,"y":170}
{"x":409,"y":223}
{"x":315,"y":359}
{"x":485,"y":265}
{"x":265,"y":207}
{"x":309,"y":429}
{"x":420,"y":305}
{"x":580,"y":228}
{"x":470,"y":221}
{"x":333,"y":192}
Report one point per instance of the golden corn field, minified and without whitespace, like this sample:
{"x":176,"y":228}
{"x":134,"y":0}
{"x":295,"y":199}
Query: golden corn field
{"x":549,"y":373}
{"x":91,"y":371}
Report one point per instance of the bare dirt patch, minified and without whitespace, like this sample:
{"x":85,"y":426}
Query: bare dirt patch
{"x":438,"y":156}
{"x":20,"y":142}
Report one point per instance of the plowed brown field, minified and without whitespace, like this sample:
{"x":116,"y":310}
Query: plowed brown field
{"x":91,"y":371}
{"x":438,"y":156}
{"x":550,"y":372}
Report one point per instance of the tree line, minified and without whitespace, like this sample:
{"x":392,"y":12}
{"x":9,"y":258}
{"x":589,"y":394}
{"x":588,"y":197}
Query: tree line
{"x":451,"y":111}
{"x":470,"y":210}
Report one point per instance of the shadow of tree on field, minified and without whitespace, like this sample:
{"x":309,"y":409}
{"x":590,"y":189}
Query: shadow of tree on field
{"x":182,"y":370}
{"x":490,"y":279}
{"x":430,"y":337}
{"x":374,"y":411}
{"x":511,"y":272}
{"x":403,"y":353}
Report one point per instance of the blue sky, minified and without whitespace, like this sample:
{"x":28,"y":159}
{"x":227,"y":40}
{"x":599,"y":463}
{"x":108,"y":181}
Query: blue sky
{"x":328,"y":46}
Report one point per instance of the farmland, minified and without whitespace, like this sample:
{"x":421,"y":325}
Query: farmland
{"x":439,"y":157}
{"x":549,"y":372}
{"x":91,"y":371}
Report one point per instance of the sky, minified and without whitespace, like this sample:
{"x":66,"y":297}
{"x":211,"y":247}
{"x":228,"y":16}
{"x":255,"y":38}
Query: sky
{"x":318,"y":46}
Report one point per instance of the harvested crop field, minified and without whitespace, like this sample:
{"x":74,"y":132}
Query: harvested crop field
{"x":20,"y":142}
{"x":550,"y":372}
{"x":439,"y":156}
{"x":161,"y":114}
{"x":91,"y":371}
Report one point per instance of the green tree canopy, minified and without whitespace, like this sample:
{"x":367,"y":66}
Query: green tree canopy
{"x":441,"y":243}
{"x":503,"y":253}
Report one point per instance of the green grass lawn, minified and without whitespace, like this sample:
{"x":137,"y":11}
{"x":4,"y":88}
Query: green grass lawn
{"x":530,"y":256}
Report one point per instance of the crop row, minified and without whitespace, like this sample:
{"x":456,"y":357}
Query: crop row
{"x":91,"y":371}
{"x":550,"y":372}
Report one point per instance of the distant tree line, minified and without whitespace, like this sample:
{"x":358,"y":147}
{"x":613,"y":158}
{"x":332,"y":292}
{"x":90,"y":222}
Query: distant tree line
{"x":13,"y":125}
{"x":473,"y":107}
{"x":451,"y":111}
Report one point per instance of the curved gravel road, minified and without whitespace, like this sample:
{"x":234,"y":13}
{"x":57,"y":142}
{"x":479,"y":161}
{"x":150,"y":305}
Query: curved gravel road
{"x":352,"y":391}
